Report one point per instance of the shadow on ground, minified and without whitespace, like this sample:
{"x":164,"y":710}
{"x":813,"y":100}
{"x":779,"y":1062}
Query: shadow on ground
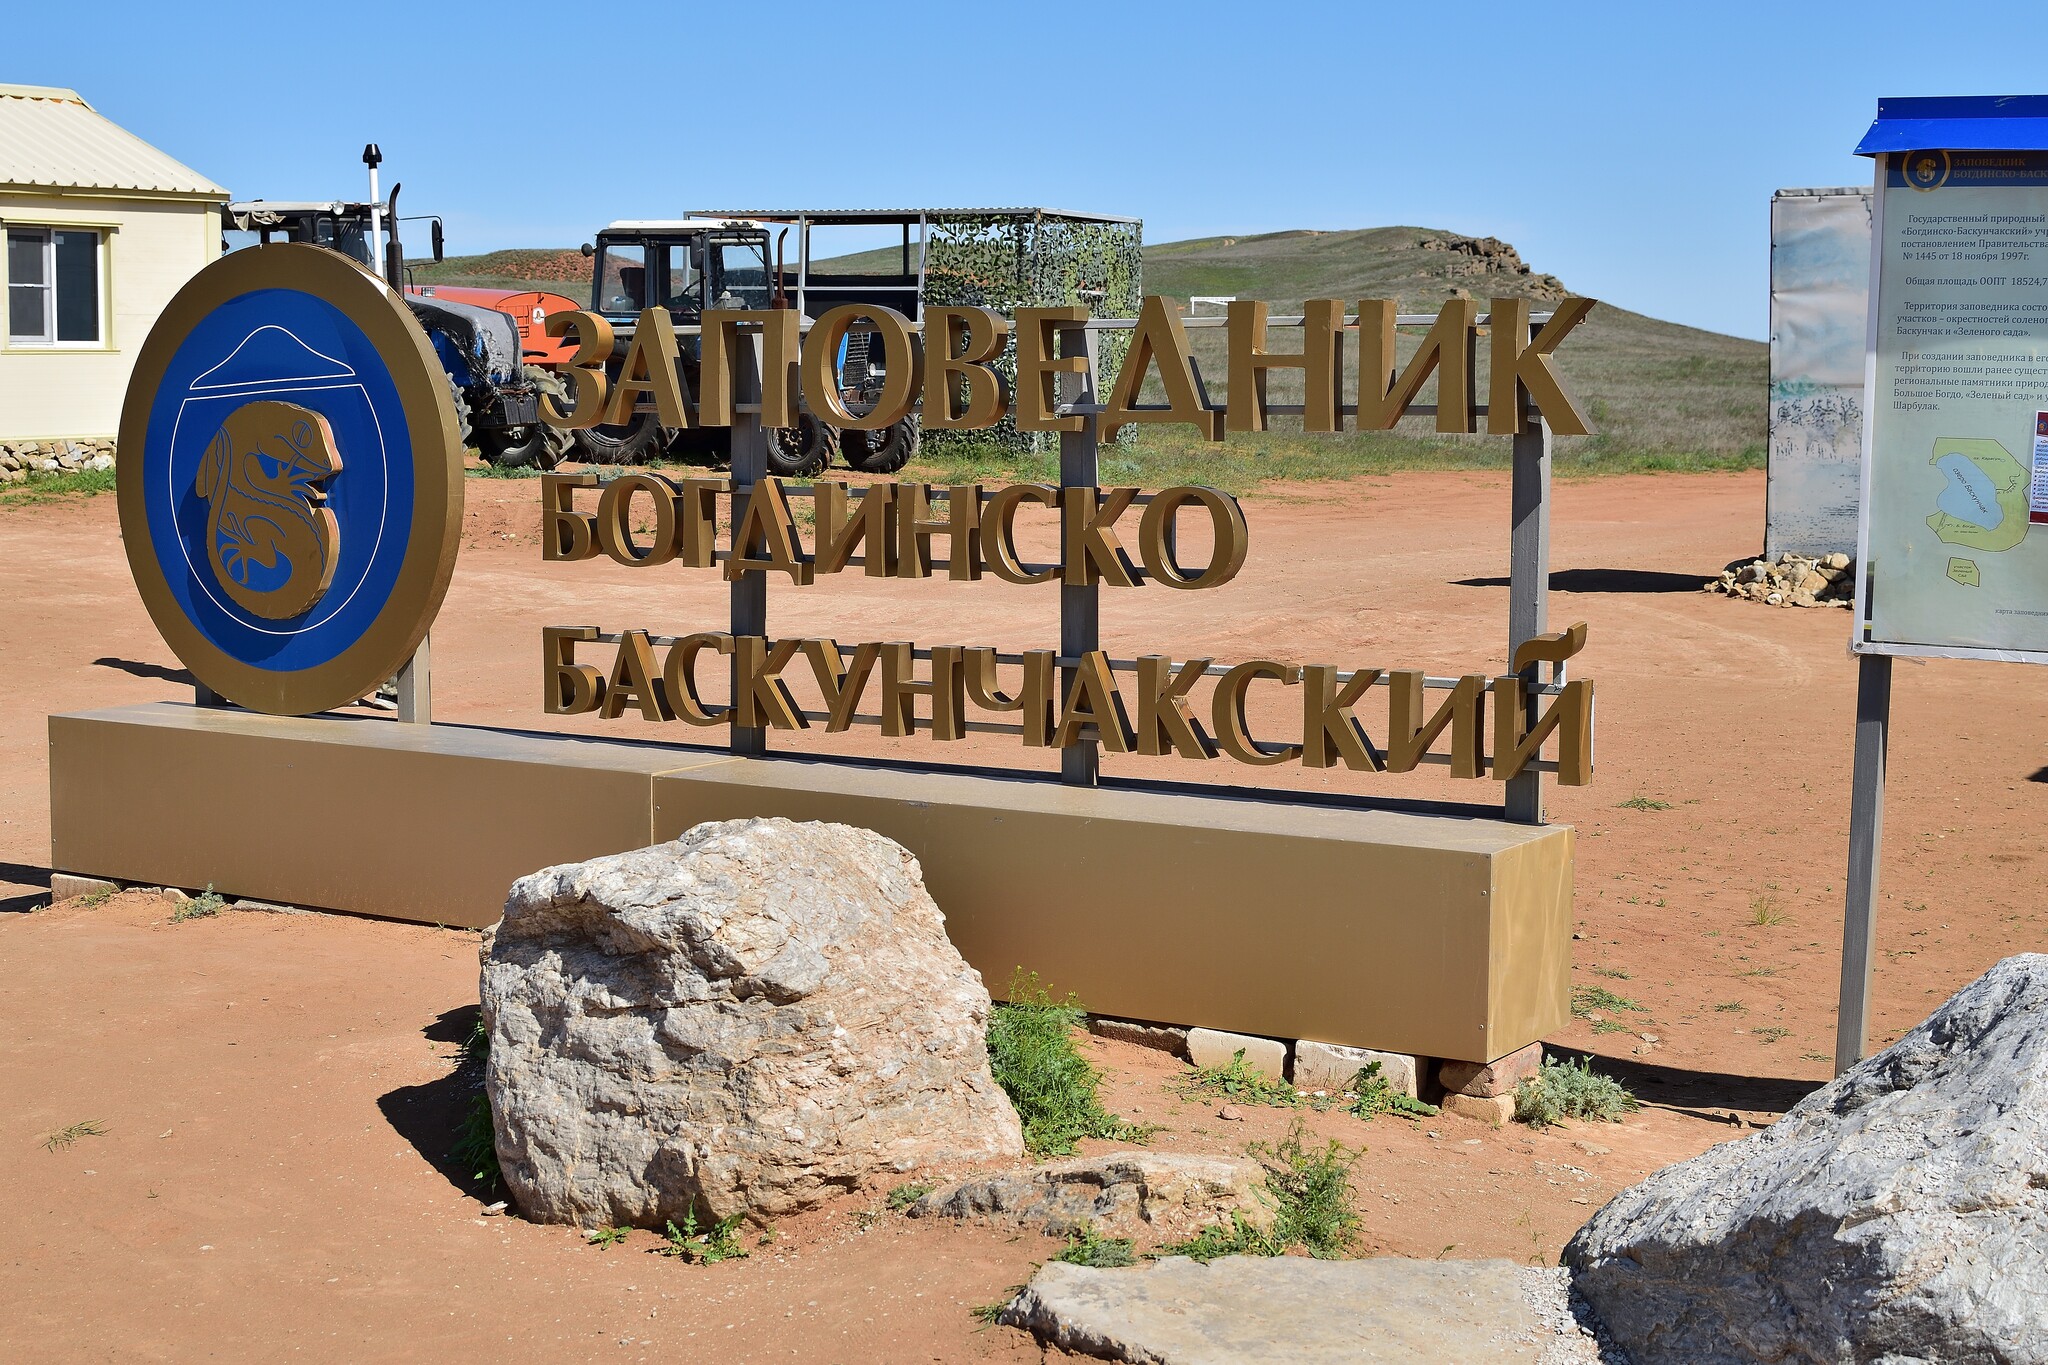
{"x":430,"y":1115}
{"x":24,"y":874}
{"x":1605,"y":580}
{"x":1701,"y":1093}
{"x":136,"y":669}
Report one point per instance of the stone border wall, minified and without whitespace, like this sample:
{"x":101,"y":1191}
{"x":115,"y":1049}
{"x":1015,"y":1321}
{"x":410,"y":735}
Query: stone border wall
{"x":56,"y":456}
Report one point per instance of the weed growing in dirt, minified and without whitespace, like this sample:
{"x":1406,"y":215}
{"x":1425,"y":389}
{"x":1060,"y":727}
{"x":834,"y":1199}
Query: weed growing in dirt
{"x":903,"y":1196}
{"x":1239,"y":1081}
{"x":1731,"y":1007}
{"x":1771,"y":1033}
{"x":476,"y":1143}
{"x":989,"y":1314}
{"x":64,"y":1137}
{"x":1765,"y":909}
{"x":1031,"y":1051}
{"x":93,"y":899}
{"x":1238,"y":1237}
{"x":1372,"y":1096}
{"x":709,"y":1246}
{"x":1309,"y":1190}
{"x":1643,"y":803}
{"x":1565,"y":1091}
{"x":1090,"y":1248}
{"x":1588,"y":1001}
{"x":606,"y":1237}
{"x":1763,"y":971}
{"x":1613,"y":973}
{"x":202,"y":906}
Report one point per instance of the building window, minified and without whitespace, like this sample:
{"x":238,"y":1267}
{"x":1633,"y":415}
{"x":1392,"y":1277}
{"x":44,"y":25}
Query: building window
{"x":53,"y":287}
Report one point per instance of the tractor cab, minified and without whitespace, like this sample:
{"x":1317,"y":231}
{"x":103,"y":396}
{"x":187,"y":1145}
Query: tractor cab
{"x":338,"y":225}
{"x":683,"y":265}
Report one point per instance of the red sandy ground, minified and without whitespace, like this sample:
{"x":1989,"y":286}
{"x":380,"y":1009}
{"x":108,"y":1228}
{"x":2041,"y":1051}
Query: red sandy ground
{"x":277,"y":1092}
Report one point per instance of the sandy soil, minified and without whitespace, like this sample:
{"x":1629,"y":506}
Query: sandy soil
{"x":278,"y":1093}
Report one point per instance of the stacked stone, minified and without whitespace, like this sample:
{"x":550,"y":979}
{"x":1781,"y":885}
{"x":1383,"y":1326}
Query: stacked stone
{"x":20,"y":459}
{"x":1795,"y":580}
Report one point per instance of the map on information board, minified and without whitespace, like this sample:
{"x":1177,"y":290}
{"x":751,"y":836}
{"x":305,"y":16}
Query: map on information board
{"x":1956,"y":465}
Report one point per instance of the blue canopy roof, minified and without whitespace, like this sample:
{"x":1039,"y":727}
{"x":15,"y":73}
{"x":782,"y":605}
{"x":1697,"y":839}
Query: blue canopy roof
{"x":1978,"y":123}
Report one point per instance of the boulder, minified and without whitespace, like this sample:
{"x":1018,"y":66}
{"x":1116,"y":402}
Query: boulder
{"x":750,"y":1019}
{"x":1168,"y":1195}
{"x":1898,"y":1214}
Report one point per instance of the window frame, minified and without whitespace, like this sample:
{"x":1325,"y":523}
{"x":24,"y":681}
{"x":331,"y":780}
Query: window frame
{"x":48,"y":343}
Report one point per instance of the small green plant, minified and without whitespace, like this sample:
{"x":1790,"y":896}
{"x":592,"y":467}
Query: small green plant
{"x":1644,"y":803}
{"x":1765,"y":909}
{"x":1238,"y":1237}
{"x":1615,"y":973}
{"x":1731,"y":1007}
{"x":64,"y":1137}
{"x":1763,"y":971}
{"x":989,"y":1314}
{"x":1090,"y":1248}
{"x":606,"y":1237}
{"x":1032,"y":1054}
{"x":1239,"y":1081}
{"x":1590,"y":1000}
{"x":93,"y":899}
{"x":1563,"y":1090}
{"x":476,"y":1143}
{"x":903,"y":1196}
{"x":1373,"y":1096}
{"x":207,"y":903}
{"x":1311,"y":1189}
{"x":1771,"y":1033}
{"x":706,"y":1246}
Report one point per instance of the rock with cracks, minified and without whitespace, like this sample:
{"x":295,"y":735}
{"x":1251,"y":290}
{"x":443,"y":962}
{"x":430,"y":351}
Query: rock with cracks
{"x":752,"y":1019}
{"x":1898,"y":1214}
{"x":1165,"y":1194}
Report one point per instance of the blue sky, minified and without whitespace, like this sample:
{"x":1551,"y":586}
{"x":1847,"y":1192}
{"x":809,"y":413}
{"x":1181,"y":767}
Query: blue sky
{"x":1629,"y":148}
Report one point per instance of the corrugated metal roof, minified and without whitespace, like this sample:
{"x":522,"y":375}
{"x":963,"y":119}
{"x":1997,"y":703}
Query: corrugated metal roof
{"x":1975,"y":123}
{"x":51,"y":139}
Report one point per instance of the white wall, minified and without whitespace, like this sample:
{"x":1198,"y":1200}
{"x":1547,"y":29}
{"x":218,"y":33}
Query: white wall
{"x":152,"y":249}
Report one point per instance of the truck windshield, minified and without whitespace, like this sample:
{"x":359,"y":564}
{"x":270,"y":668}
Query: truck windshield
{"x":622,"y":278}
{"x":742,"y":278}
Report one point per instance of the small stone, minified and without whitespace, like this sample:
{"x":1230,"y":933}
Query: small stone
{"x":1493,"y":1109}
{"x":1837,"y":560}
{"x":66,"y":886}
{"x":1498,"y":1077}
{"x":1120,"y":1193}
{"x":1230,"y":1113}
{"x":1592,"y":1148}
{"x":1649,"y":1037}
{"x":493,"y":1210}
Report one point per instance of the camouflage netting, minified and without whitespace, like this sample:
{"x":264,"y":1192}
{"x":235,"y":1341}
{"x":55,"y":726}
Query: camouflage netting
{"x":1007,"y":263}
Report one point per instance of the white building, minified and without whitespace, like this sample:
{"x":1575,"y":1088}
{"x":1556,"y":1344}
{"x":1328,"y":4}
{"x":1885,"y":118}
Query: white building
{"x":101,"y":230}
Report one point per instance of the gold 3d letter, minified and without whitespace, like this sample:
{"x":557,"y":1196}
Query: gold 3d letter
{"x":1156,"y":545}
{"x":1226,"y":709}
{"x":903,"y":362}
{"x":566,"y":533}
{"x":584,"y":370}
{"x":1322,"y":332}
{"x":963,"y":390}
{"x":1039,"y":367}
{"x":721,"y":339}
{"x":653,"y":367}
{"x":1448,"y":350}
{"x":1159,"y":337}
{"x":570,"y":688}
{"x":1521,"y":364}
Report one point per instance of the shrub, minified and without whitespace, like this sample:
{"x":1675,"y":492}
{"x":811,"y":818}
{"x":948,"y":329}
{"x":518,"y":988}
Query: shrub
{"x":1090,"y":1248}
{"x":903,"y":1196}
{"x":1031,"y":1051}
{"x":1309,"y":1190}
{"x":1564,"y":1091}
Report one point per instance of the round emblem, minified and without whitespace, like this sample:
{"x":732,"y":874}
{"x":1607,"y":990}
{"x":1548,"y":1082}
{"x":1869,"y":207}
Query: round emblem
{"x":1926,"y":170}
{"x":290,"y":479}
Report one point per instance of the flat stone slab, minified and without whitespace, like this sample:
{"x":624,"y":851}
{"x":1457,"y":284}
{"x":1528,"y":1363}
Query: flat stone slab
{"x":1289,"y":1310}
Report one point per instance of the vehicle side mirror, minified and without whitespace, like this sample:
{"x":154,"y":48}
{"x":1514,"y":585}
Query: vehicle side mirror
{"x":439,"y":244}
{"x":588,"y":251}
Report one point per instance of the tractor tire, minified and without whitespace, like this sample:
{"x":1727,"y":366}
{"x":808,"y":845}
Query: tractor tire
{"x":884,"y":451}
{"x":520,"y":447}
{"x":640,"y":441}
{"x":462,"y":430}
{"x":802,"y":450}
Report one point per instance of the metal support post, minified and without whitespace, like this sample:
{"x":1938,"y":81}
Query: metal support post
{"x":749,"y":466}
{"x":1529,"y":586}
{"x":1080,"y":605}
{"x":202,"y":695}
{"x":1866,"y":837}
{"x":415,"y":685}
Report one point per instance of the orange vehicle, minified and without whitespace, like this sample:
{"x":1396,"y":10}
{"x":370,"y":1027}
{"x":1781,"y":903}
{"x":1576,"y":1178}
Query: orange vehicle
{"x":528,"y":309}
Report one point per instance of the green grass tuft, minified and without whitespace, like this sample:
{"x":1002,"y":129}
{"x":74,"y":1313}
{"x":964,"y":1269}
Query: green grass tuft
{"x":1309,"y":1189}
{"x":41,"y":487}
{"x":903,"y":1196}
{"x":1564,"y":1091}
{"x":1090,"y":1248}
{"x":64,"y":1137}
{"x":607,"y":1237}
{"x":1592,"y":999}
{"x":1238,"y":1081}
{"x":1373,"y":1096}
{"x":1238,"y":1237}
{"x":205,"y":905}
{"x":1031,"y":1051}
{"x":1643,"y":803}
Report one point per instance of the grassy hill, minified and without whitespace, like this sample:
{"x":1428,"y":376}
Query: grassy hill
{"x":1659,"y":395}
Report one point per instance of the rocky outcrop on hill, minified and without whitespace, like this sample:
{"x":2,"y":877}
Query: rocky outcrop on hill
{"x":1898,"y":1214}
{"x":750,"y":1019}
{"x":1483,"y":256}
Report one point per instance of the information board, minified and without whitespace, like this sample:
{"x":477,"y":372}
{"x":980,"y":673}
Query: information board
{"x":1955,"y":466}
{"x":1820,"y":308}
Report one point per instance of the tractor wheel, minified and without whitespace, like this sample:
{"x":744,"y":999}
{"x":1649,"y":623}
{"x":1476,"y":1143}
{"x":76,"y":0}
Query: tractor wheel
{"x":518,"y":447}
{"x":884,"y":451}
{"x":461,"y":410}
{"x":634,"y":443}
{"x":802,"y":450}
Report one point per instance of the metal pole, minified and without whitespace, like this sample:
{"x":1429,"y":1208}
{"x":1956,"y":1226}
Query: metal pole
{"x":1866,"y":838}
{"x":415,"y":685}
{"x":1080,"y":605}
{"x":749,"y":466}
{"x":1529,"y":586}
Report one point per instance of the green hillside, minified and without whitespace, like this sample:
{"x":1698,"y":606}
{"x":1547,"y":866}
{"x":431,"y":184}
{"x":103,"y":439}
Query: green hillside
{"x":1660,"y":396}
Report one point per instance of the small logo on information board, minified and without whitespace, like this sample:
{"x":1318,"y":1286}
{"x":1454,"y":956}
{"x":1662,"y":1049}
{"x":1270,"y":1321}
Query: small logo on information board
{"x":290,"y":479}
{"x":1927,"y":170}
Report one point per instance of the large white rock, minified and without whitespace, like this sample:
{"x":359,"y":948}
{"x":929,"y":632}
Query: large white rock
{"x":754,"y":1017}
{"x":1899,"y":1214}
